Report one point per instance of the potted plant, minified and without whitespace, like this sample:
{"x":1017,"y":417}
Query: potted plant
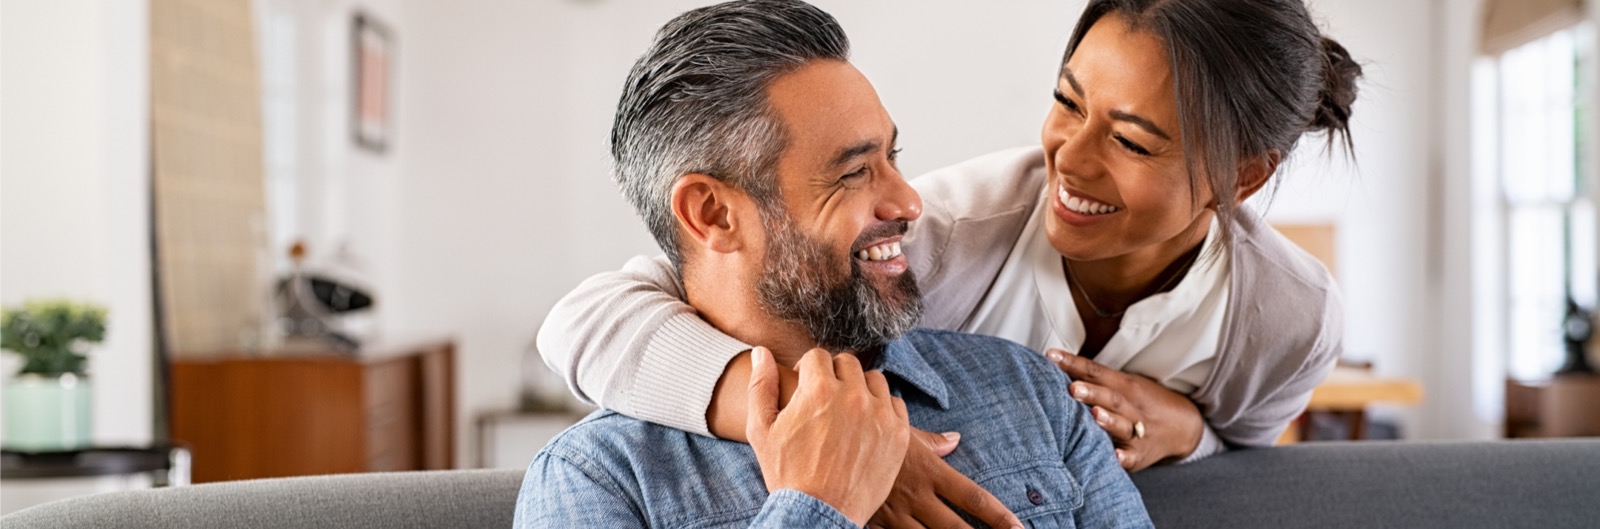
{"x":47,"y":404}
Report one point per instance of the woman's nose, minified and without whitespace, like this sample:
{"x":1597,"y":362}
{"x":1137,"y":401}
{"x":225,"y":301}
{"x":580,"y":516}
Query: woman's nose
{"x":1072,"y":148}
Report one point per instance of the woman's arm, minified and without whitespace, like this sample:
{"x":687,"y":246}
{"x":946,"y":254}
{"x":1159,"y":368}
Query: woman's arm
{"x":626,"y":341}
{"x":1263,"y":419}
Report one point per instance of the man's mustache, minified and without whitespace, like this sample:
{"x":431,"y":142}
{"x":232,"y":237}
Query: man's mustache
{"x":877,"y":232}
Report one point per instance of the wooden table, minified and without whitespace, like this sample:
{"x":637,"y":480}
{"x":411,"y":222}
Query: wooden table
{"x":1348,"y":391}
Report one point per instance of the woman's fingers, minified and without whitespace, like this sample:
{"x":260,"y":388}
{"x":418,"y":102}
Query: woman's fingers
{"x":942,"y":444}
{"x":939,"y":515}
{"x":1120,"y":427}
{"x":1080,"y":368}
{"x":1098,"y":395}
{"x":966,"y":495}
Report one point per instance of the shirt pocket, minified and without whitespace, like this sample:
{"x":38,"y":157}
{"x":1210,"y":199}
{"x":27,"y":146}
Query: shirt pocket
{"x":1042,"y":494}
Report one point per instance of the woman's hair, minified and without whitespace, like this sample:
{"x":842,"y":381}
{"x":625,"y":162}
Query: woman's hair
{"x":1251,"y":77}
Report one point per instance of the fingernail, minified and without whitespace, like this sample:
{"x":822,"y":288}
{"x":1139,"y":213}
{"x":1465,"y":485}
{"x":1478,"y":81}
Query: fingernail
{"x":1121,"y":457}
{"x":759,"y":356}
{"x":1055,"y":356}
{"x":1079,"y":391}
{"x":954,"y":437}
{"x":1102,"y":416}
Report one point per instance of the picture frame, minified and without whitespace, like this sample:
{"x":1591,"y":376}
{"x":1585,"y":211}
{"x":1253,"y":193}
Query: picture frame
{"x":372,"y":80}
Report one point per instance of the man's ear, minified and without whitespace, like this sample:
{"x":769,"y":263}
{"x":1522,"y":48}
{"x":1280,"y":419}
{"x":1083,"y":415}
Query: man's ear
{"x":706,"y":211}
{"x":1254,"y":174}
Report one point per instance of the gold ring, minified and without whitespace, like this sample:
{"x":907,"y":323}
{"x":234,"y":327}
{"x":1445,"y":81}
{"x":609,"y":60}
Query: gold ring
{"x":1138,"y":429}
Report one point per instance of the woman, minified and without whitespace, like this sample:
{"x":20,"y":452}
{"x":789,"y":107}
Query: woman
{"x":1120,"y":247}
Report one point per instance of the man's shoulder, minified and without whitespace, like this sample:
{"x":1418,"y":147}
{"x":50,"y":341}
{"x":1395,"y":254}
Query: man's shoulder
{"x":942,"y":341}
{"x":609,"y":439}
{"x":981,"y":357}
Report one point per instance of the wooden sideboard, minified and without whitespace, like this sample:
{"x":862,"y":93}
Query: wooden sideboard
{"x":387,"y":408}
{"x":1563,"y":406}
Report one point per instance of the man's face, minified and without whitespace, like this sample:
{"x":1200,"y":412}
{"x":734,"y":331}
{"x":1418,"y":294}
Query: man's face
{"x":833,"y":258}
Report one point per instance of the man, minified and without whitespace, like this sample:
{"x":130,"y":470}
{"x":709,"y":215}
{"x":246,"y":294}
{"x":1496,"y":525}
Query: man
{"x":763,"y":163}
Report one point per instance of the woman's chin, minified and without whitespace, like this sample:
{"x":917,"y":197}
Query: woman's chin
{"x":1070,"y":242}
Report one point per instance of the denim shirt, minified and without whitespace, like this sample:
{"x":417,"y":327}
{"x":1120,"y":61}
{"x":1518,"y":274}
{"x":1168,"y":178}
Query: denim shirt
{"x":1022,"y":439}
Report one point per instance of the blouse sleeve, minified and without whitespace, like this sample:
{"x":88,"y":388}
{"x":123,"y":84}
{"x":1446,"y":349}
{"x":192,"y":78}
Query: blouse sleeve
{"x":626,"y":341}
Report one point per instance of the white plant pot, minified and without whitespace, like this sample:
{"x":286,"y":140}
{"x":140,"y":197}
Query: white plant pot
{"x":44,"y":413}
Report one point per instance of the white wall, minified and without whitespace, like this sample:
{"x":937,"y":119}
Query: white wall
{"x":74,"y":208}
{"x":1394,"y":210}
{"x":496,"y":197}
{"x":506,"y":199}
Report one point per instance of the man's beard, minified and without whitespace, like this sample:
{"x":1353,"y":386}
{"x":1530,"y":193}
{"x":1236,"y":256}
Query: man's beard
{"x":843,"y":314}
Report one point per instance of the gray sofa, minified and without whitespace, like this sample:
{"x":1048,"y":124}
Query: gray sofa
{"x":1542,"y":484}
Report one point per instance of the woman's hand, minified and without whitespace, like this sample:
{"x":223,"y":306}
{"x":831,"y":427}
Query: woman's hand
{"x":915,"y":501}
{"x":1148,"y":423}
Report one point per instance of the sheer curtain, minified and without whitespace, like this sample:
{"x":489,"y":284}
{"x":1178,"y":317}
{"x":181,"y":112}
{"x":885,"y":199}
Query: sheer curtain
{"x":208,"y":208}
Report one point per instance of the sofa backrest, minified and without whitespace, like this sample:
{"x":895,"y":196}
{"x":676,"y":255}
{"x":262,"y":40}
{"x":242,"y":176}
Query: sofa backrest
{"x":445,"y":498}
{"x":1348,"y":484}
{"x":1494,"y":484}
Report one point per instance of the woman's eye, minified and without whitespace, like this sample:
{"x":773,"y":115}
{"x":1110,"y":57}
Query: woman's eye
{"x":894,"y":154}
{"x":1070,"y":105}
{"x":1132,"y":147}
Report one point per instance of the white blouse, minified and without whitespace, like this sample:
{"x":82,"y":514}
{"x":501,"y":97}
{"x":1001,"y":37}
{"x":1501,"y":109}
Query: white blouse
{"x":1171,"y":337}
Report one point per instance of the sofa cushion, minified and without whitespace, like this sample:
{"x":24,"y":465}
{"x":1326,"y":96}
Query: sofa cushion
{"x":1544,"y":483}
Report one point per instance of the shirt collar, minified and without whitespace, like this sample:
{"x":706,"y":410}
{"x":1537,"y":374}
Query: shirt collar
{"x":902,"y":360}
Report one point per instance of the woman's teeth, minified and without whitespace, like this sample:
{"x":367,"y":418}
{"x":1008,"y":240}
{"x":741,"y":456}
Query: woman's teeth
{"x":1084,"y":206}
{"x":881,"y":252}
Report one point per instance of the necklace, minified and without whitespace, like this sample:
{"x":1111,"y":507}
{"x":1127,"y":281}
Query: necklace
{"x":1118,"y":314}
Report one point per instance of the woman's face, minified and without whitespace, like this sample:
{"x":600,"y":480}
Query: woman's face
{"x":1118,"y":182}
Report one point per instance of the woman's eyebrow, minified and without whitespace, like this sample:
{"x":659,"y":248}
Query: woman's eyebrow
{"x":1147,"y":125}
{"x":1141,"y":122}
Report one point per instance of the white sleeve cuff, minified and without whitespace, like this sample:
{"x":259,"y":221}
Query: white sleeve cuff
{"x":682,"y":364}
{"x":1210,"y":445}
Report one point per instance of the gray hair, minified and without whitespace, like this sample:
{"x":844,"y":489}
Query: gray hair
{"x":696,"y":102}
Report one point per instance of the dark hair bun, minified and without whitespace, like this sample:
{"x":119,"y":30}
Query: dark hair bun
{"x":1339,"y":74}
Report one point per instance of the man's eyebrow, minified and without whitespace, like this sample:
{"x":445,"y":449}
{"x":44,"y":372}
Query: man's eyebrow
{"x":1147,"y":125}
{"x":860,"y":148}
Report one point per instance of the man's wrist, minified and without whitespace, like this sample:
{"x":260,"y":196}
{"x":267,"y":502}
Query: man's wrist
{"x":795,"y":508}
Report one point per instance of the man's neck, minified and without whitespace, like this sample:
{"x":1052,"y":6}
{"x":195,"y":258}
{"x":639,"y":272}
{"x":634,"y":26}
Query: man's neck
{"x":731,"y":305}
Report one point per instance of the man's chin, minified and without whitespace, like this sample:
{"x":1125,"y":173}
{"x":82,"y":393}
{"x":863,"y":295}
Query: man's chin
{"x":895,"y":290}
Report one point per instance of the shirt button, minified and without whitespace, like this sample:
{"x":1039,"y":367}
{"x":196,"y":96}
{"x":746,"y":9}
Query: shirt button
{"x":1035,"y":497}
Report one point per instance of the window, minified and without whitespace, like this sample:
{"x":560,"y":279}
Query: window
{"x":279,"y":125}
{"x":1546,"y":211}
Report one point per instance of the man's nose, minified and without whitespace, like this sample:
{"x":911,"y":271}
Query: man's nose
{"x":899,"y":200}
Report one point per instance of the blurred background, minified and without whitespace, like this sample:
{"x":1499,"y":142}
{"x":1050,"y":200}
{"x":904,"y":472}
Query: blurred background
{"x":447,"y":161}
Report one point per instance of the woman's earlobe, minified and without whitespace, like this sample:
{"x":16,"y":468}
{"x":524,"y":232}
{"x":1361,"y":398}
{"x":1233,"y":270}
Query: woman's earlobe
{"x":1255,"y":174}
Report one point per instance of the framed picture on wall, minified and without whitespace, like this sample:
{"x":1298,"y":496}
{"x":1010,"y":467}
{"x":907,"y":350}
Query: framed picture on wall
{"x":372,"y":69}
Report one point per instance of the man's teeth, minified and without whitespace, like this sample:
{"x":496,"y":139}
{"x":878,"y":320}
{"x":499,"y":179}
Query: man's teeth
{"x":1084,"y":206}
{"x":881,"y":252}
